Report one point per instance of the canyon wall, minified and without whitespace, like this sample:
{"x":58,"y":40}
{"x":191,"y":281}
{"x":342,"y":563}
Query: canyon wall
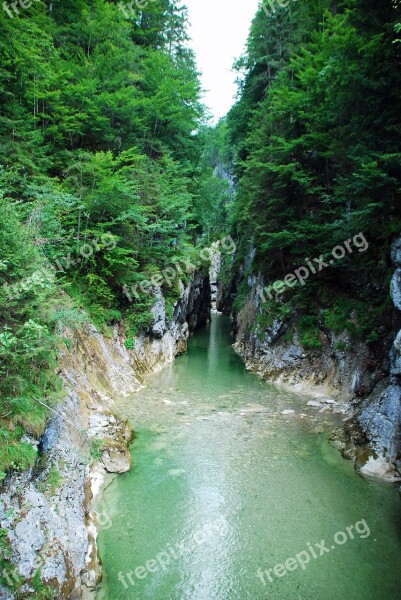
{"x":47,"y":513}
{"x":364,"y":379}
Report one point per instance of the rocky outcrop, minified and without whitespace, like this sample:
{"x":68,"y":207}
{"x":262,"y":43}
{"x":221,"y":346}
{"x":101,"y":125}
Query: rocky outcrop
{"x":336,"y":368}
{"x":214,"y":272}
{"x":44,"y":513}
{"x":153,"y":352}
{"x":378,"y":417}
{"x":395,"y":289}
{"x":47,"y":513}
{"x":357,"y":374}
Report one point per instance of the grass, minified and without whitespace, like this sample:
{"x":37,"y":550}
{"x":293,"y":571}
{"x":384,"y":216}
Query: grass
{"x":52,"y":481}
{"x":42,"y":591}
{"x":95,"y":449}
{"x":14,"y":453}
{"x":24,"y":417}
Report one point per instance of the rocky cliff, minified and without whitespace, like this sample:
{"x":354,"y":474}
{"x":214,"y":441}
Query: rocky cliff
{"x":46,"y":515}
{"x":377,"y":421}
{"x":363,"y":378}
{"x":327,"y":370}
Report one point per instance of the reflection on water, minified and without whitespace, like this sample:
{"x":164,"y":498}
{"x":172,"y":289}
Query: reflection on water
{"x":213,"y":447}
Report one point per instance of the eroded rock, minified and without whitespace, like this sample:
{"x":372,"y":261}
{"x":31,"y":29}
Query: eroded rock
{"x":395,"y":289}
{"x":55,"y":530}
{"x":116,"y":457}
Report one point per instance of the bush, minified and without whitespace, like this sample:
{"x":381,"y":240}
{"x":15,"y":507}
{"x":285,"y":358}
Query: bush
{"x":310,"y":332}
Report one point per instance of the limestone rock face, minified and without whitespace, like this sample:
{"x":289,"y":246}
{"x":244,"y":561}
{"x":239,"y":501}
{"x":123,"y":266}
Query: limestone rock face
{"x":395,"y":289}
{"x":159,"y":325}
{"x":338,"y":369}
{"x":153,"y":351}
{"x":326,"y":370}
{"x":46,"y":529}
{"x":395,"y":356}
{"x":214,"y":272}
{"x":5,"y":594}
{"x":396,"y":252}
{"x":380,"y":420}
{"x":48,"y":515}
{"x":198,"y":299}
{"x":379,"y":416}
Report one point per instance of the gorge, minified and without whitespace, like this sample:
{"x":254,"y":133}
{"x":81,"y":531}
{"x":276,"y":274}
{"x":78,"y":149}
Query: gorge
{"x":200,"y":324}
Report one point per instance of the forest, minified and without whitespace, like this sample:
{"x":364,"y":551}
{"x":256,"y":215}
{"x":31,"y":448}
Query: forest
{"x":110,"y":172}
{"x":314,"y":144}
{"x":102,"y":180}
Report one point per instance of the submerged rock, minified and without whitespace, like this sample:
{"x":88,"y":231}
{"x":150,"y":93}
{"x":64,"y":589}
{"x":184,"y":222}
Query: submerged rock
{"x":327,"y":401}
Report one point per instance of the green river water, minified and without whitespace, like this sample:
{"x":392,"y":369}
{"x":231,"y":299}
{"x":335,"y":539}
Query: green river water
{"x":223,"y":484}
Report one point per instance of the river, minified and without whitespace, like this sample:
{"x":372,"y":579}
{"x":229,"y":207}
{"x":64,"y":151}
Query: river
{"x":223,"y":484}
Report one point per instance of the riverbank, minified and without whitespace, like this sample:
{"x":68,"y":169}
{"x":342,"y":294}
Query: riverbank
{"x":47,"y":513}
{"x":362,"y":375}
{"x":215,"y":442}
{"x":54,"y":532}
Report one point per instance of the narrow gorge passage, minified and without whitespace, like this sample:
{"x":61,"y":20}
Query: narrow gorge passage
{"x":223,"y":484}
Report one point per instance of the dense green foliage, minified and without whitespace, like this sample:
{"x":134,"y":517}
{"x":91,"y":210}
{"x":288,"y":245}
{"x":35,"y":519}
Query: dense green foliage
{"x":316,"y":144}
{"x":101,"y":171}
{"x":108,"y":173}
{"x":97,"y":138}
{"x":26,"y":345}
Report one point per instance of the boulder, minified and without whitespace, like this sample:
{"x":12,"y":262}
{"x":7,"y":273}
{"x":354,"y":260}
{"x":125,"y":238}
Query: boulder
{"x":116,"y":458}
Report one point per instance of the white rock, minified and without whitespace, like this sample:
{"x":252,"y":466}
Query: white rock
{"x":395,"y":289}
{"x":288,"y":412}
{"x":380,"y":469}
